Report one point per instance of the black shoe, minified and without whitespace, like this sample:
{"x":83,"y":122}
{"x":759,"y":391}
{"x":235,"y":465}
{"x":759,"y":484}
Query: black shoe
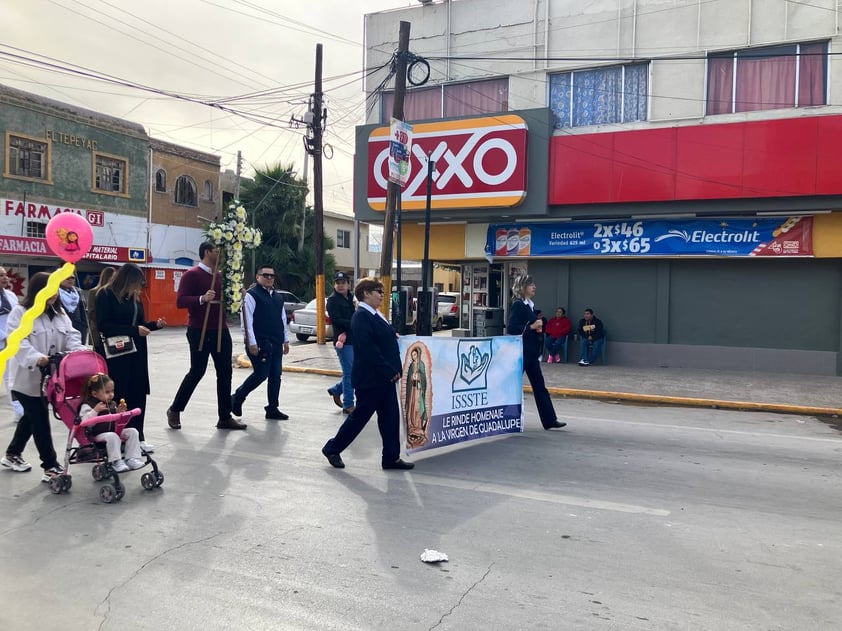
{"x":230,"y":423}
{"x":398,"y":464}
{"x":173,"y":418}
{"x":335,"y":460}
{"x":236,"y":406}
{"x":276,"y":415}
{"x":555,"y":425}
{"x":337,"y":399}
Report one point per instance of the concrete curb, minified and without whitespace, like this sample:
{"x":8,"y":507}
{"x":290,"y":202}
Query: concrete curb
{"x":651,"y":399}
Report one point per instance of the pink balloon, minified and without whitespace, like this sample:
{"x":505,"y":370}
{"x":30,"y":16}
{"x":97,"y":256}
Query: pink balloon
{"x":69,"y":236}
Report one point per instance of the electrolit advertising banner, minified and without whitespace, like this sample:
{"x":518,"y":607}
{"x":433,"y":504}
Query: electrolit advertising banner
{"x":455,"y":390}
{"x":767,"y":237}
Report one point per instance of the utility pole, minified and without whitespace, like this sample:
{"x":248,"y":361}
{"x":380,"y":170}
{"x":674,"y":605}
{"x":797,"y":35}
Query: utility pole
{"x":318,"y":203}
{"x":393,"y":190}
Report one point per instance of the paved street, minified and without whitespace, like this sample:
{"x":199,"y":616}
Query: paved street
{"x":633,"y":517}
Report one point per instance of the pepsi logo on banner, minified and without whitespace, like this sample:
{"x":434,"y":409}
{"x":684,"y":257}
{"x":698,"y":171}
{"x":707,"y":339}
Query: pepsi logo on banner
{"x":480,"y":163}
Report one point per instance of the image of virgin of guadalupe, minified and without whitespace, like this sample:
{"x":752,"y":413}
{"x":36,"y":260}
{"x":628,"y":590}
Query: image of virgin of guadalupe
{"x":417,"y":395}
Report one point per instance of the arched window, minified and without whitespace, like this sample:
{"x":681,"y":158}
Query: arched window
{"x":185,"y":191}
{"x":161,"y":181}
{"x":208,"y":190}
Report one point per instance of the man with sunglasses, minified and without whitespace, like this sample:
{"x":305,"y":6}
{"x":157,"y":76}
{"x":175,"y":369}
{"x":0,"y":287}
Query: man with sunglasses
{"x":267,"y":341}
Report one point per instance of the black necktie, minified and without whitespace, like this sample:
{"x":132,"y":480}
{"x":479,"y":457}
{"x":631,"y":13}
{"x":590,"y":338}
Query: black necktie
{"x":5,"y":305}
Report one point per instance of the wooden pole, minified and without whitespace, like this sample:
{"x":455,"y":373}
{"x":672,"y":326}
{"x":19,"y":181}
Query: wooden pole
{"x":318,"y":201}
{"x":393,"y":191}
{"x":208,"y":305}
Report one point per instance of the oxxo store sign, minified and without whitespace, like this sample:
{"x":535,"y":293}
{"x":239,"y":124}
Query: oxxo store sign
{"x":480,"y":163}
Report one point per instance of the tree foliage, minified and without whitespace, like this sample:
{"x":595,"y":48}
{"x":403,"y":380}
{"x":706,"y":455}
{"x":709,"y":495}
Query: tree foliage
{"x":277,"y":201}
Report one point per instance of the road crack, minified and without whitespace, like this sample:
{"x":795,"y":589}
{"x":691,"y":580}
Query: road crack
{"x":106,"y":602}
{"x":462,"y":597}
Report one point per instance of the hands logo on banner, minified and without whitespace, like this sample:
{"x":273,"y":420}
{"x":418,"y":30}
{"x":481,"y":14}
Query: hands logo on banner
{"x":473,"y":365}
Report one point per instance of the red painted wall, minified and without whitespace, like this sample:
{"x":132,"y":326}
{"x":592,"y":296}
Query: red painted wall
{"x":771,"y":158}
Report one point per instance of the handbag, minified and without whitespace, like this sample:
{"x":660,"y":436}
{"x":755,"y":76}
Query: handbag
{"x":119,"y":345}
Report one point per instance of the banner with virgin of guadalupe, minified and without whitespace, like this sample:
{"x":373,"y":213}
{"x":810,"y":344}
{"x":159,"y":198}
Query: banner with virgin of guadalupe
{"x":455,"y":390}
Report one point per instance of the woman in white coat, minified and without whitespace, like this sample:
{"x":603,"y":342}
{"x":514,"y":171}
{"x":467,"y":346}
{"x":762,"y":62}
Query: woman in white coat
{"x":52,"y":332}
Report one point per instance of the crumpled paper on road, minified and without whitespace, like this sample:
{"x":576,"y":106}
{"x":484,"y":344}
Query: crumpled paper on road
{"x":433,"y":556}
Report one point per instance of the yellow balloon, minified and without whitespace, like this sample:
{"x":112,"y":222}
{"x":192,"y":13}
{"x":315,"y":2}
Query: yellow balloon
{"x":25,"y":328}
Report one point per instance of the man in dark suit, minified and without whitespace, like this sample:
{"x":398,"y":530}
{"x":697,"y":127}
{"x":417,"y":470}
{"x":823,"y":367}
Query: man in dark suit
{"x":377,"y":368}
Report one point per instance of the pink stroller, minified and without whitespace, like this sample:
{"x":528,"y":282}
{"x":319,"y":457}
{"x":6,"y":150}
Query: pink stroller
{"x":64,"y":384}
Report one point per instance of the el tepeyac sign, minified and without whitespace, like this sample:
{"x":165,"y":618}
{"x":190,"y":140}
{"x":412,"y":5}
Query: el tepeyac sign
{"x":456,"y":390}
{"x":760,"y":237}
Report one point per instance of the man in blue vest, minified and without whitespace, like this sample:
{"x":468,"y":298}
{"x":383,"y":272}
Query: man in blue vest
{"x":267,"y":341}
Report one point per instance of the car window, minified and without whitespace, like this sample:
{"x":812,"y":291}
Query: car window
{"x":447,"y":298}
{"x":311,"y":305}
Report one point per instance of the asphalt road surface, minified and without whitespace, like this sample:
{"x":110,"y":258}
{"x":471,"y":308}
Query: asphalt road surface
{"x":630,"y":518}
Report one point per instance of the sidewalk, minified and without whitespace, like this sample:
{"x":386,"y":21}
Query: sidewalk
{"x":771,"y":392}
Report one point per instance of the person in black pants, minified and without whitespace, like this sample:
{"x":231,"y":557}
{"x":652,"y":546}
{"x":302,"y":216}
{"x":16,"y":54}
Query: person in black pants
{"x":119,"y":311}
{"x":377,"y":368}
{"x":267,"y":341}
{"x":52,"y":332}
{"x":524,"y":322}
{"x":197,"y":293}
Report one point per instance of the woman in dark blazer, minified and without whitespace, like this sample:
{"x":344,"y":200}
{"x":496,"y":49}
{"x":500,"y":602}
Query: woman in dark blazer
{"x":119,"y":311}
{"x":376,"y":370}
{"x":524,"y":322}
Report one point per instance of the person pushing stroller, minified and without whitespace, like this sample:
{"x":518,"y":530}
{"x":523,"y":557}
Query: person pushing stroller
{"x":99,"y":400}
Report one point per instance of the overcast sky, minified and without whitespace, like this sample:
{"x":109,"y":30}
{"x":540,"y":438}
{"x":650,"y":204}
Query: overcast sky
{"x":210,"y":50}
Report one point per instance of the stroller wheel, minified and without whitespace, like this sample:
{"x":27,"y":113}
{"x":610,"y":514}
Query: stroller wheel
{"x":106,"y":493}
{"x":159,"y":478}
{"x":67,"y":483}
{"x":56,"y":485}
{"x":121,"y":491}
{"x":147,"y":481}
{"x":98,"y":472}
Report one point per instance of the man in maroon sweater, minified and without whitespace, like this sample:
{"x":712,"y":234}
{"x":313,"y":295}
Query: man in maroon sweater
{"x":198,"y":289}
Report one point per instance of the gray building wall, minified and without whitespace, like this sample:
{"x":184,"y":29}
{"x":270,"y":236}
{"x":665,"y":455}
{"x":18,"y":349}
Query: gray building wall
{"x":765,"y":315}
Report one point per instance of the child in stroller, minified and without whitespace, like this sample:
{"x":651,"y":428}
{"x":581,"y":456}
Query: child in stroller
{"x":66,"y":389}
{"x":98,"y":400}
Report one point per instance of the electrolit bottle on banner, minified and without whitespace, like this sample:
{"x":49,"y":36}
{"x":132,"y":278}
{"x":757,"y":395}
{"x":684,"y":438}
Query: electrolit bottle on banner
{"x":500,"y":239}
{"x":524,"y":242}
{"x":512,"y":242}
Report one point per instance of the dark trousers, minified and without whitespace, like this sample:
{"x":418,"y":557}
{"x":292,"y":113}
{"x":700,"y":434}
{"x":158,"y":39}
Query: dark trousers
{"x":198,"y":366}
{"x":261,"y":371}
{"x":384,"y":401}
{"x":532,"y":368}
{"x":35,"y":422}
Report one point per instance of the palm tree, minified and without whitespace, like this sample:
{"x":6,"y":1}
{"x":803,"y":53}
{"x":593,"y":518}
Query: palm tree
{"x":276,"y":200}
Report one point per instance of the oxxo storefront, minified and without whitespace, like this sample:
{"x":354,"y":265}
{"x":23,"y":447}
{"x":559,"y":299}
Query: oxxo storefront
{"x":726,"y":259}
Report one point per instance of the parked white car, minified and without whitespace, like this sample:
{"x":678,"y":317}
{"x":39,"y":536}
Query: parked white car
{"x":449,"y":309}
{"x":302,"y":323}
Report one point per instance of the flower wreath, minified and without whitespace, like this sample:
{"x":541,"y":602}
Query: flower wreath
{"x":232,"y":236}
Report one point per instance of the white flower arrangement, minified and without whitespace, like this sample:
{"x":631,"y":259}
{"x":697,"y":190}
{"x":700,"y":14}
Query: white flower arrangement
{"x":232,"y":236}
